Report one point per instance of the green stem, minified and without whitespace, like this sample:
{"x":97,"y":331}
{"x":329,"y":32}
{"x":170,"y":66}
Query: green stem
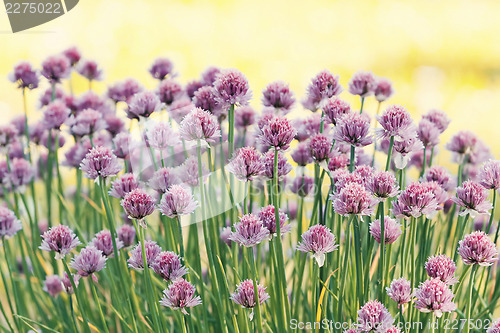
{"x":492,"y":212}
{"x":96,"y":298}
{"x":382,"y":251}
{"x":253,"y":268}
{"x":362,"y":104}
{"x":359,"y":264}
{"x":470,"y":305}
{"x":352,"y":160}
{"x":181,"y":238}
{"x":389,"y":154}
{"x":77,"y":294}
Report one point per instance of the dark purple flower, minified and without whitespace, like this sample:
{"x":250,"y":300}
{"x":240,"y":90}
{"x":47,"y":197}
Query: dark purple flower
{"x":320,"y":146}
{"x":180,"y":295}
{"x":302,"y":185}
{"x":383,"y":89}
{"x":400,"y":291}
{"x":200,"y":125}
{"x":302,"y":155}
{"x":136,"y":260}
{"x":396,"y":122}
{"x":244,"y":295}
{"x":279,"y":96}
{"x":283,"y":166}
{"x":90,"y":70}
{"x":161,"y":68}
{"x":362,"y":83}
{"x":441,"y":267}
{"x":244,"y":117}
{"x":192,"y":87}
{"x":392,"y":230}
{"x":473,"y":198}
{"x":90,"y":260}
{"x":462,"y":143}
{"x":249,"y":231}
{"x":24,"y":75}
{"x":323,"y":86}
{"x":374,"y":317}
{"x":114,"y":124}
{"x":123,"y":143}
{"x":55,"y":68}
{"x":205,"y":98}
{"x":434,"y":296}
{"x":100,"y":162}
{"x":124,"y":90}
{"x":168,"y":265}
{"x":9,"y":223}
{"x":232,"y":88}
{"x":46,"y":97}
{"x":103,"y":242}
{"x":209,"y":75}
{"x":318,"y":240}
{"x":126,"y":234}
{"x":353,"y":198}
{"x":143,"y":104}
{"x":438,"y":118}
{"x":59,"y":239}
{"x":478,"y":248}
{"x":168,"y":91}
{"x":268,"y":216}
{"x":73,"y":55}
{"x":138,"y":204}
{"x":52,"y":285}
{"x":353,"y":129}
{"x":334,"y":109}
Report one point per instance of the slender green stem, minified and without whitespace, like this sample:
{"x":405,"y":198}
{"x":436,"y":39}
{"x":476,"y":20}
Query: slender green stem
{"x":253,"y":268}
{"x":96,"y":298}
{"x":469,"y":298}
{"x":490,"y":222}
{"x":181,"y":238}
{"x":77,"y":294}
{"x":382,"y":251}
{"x":389,"y":154}
{"x":362,"y":104}
{"x":345,"y":265}
{"x":359,"y":264}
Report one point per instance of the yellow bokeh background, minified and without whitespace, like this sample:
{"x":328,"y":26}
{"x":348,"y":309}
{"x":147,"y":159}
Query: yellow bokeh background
{"x":439,"y":54}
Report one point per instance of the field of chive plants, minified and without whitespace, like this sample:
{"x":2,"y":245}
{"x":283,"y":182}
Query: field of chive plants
{"x":373,"y":236}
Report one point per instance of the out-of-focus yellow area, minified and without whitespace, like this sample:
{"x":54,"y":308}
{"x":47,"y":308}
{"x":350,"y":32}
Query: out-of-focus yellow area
{"x":439,"y":54}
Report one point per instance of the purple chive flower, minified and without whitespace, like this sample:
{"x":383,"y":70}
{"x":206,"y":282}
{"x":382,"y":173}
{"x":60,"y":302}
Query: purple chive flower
{"x":161,"y":136}
{"x":279,"y":96}
{"x":90,"y":70}
{"x":163,"y":179}
{"x":21,"y":173}
{"x":188,"y":172}
{"x":323,"y":86}
{"x":180,"y":295}
{"x":441,"y":176}
{"x":73,"y":55}
{"x":462,"y":143}
{"x":103,"y":242}
{"x":59,"y":239}
{"x":473,"y":198}
{"x":53,"y":135}
{"x":382,"y":185}
{"x":124,"y":90}
{"x":302,"y":185}
{"x":283,"y":166}
{"x":66,"y":283}
{"x":319,"y":241}
{"x":305,"y":127}
{"x":180,"y":109}
{"x":9,"y":223}
{"x":244,"y":117}
{"x":268,"y":217}
{"x":396,"y":122}
{"x":100,"y":162}
{"x":302,"y":155}
{"x":168,"y":266}
{"x":353,"y":129}
{"x":415,"y":200}
{"x":392,"y":230}
{"x":334,"y":109}
{"x":362,"y":83}
{"x":177,"y":201}
{"x":206,"y":98}
{"x":249,"y":231}
{"x":438,"y":118}
{"x":353,"y":198}
{"x":123,"y":143}
{"x":122,"y":185}
{"x":126,"y":234}
{"x":138,"y":204}
{"x":19,"y":124}
{"x":428,"y":133}
{"x":244,"y":295}
{"x":434,"y":296}
{"x":405,"y":150}
{"x":24,"y":75}
{"x":114,"y":124}
{"x":374,"y":317}
{"x":478,"y":248}
{"x":338,"y":160}
{"x":87,"y":122}
{"x":168,"y":91}
{"x":161,"y":68}
{"x":136,"y":260}
{"x":55,"y":68}
{"x":441,"y":267}
{"x":224,"y":235}
{"x":209,"y":75}
{"x":342,"y":177}
{"x":383,"y":89}
{"x":278,"y":133}
{"x":246,"y":164}
{"x":143,"y":104}
{"x":55,"y":115}
{"x":46,"y":97}
{"x":320,"y":146}
{"x":489,"y":176}
{"x":192,"y":87}
{"x":232,"y":88}
{"x":52,"y":285}
{"x":90,"y":260}
{"x":495,"y":327}
{"x":200,"y":125}
{"x":400,"y":291}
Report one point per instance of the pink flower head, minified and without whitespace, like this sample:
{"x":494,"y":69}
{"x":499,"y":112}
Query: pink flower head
{"x":192,"y":87}
{"x":103,"y":242}
{"x":362,"y":83}
{"x":438,"y":118}
{"x":52,"y":285}
{"x":374,"y":317}
{"x":138,"y":204}
{"x":168,"y":91}
{"x":143,"y":104}
{"x":494,"y":327}
{"x":205,"y":98}
{"x":189,"y":173}
{"x":180,"y":108}
{"x":209,"y":75}
{"x":136,"y":260}
{"x":268,"y":216}
{"x":66,"y":282}
{"x":162,"y":179}
{"x":279,"y":96}
{"x":249,"y":231}
{"x":168,"y":265}
{"x":90,"y":70}
{"x":124,"y":90}
{"x":278,"y":133}
{"x":441,"y":267}
{"x":88,"y":122}
{"x":24,"y":75}
{"x":302,"y":185}
{"x":122,"y":185}
{"x":9,"y":223}
{"x":434,"y":296}
{"x":161,"y":68}
{"x":55,"y":68}
{"x":462,"y":143}
{"x":73,"y":55}
{"x":126,"y":234}
{"x":318,"y":240}
{"x":100,"y":162}
{"x":232,"y":88}
{"x":59,"y":239}
{"x":53,"y":135}
{"x":338,"y":161}
{"x":90,"y":260}
{"x":478,"y":248}
{"x":334,"y":109}
{"x":305,"y":127}
{"x":320,"y":146}
{"x":473,"y":198}
{"x":400,"y":291}
{"x":302,"y":154}
{"x":161,"y":136}
{"x":342,"y":177}
{"x":200,"y":125}
{"x":428,"y":133}
{"x":353,"y":198}
{"x":180,"y":295}
{"x":123,"y":143}
{"x":177,"y":201}
{"x":489,"y":176}
{"x":383,"y":89}
{"x":21,"y":173}
{"x":246,"y":164}
{"x":439,"y":175}
{"x":224,"y":235}
{"x":392,"y":230}
{"x":323,"y":86}
{"x":55,"y":115}
{"x":353,"y":129}
{"x":114,"y":125}
{"x":396,"y":122}
{"x":244,"y":117}
{"x":405,"y":150}
{"x":46,"y":97}
{"x":283,"y":166}
{"x":416,"y":199}
{"x":382,"y":185}
{"x":76,"y":154}
{"x":244,"y":295}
